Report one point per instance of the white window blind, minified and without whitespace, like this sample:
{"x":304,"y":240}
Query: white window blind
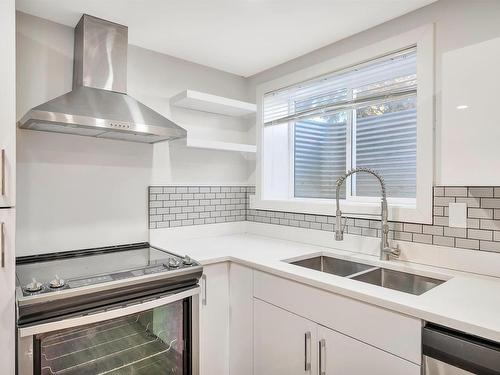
{"x":364,"y":116}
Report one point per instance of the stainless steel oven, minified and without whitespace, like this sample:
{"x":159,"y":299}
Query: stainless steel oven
{"x":154,"y":336}
{"x":126,"y":310}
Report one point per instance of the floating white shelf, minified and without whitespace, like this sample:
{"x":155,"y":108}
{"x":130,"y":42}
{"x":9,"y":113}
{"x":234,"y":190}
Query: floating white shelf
{"x":218,"y":145}
{"x":201,"y":101}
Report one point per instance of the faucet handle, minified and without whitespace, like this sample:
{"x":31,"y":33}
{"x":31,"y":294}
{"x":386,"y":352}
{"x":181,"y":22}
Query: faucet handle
{"x":393,"y":252}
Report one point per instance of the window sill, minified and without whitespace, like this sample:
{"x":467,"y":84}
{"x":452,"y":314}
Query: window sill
{"x":369,"y":210}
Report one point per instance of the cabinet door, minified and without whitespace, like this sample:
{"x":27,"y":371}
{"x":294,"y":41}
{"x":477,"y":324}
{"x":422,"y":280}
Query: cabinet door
{"x":214,"y":320}
{"x":7,"y":104}
{"x":240,"y":320}
{"x":284,"y":343}
{"x":469,"y":130}
{"x":340,"y":354}
{"x":7,"y":288}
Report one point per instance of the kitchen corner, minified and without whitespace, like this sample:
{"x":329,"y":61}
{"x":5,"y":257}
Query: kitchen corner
{"x":249,"y":187}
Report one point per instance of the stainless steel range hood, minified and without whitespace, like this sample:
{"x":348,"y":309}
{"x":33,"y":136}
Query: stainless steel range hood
{"x":98,"y":105}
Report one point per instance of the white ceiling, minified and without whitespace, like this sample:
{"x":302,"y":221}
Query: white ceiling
{"x":243,"y":37}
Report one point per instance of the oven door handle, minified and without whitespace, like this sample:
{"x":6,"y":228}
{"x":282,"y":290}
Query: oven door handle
{"x":106,"y":315}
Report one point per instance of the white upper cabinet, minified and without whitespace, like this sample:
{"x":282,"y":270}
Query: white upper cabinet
{"x":470,"y":130}
{"x":7,"y":105}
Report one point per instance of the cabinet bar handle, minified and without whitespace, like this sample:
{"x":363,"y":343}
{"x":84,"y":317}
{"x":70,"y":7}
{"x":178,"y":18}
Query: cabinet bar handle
{"x":2,"y":239}
{"x":2,"y":166}
{"x":204,"y":296}
{"x":307,"y":351}
{"x":322,"y":357}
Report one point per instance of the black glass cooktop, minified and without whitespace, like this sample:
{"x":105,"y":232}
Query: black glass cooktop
{"x":73,"y":269}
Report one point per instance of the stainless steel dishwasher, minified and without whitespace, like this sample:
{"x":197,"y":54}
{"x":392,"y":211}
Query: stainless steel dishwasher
{"x":450,"y":352}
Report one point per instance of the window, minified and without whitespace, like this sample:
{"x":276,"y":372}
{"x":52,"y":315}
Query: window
{"x":364,"y":116}
{"x":371,"y":107}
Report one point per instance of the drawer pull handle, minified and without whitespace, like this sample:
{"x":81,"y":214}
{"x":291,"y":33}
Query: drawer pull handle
{"x":322,"y":357}
{"x":307,"y":351}
{"x":204,"y":296}
{"x":2,"y":246}
{"x":2,"y":172}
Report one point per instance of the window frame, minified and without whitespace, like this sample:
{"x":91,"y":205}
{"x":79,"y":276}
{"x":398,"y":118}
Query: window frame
{"x":402,"y":209}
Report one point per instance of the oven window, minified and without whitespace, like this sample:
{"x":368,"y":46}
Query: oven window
{"x":150,"y":342}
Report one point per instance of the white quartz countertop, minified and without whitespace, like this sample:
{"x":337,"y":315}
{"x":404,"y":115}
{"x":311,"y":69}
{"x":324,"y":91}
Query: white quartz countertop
{"x":465,"y":302}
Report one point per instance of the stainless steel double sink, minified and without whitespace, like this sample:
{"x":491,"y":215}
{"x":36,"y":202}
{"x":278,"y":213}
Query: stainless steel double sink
{"x":384,"y":277}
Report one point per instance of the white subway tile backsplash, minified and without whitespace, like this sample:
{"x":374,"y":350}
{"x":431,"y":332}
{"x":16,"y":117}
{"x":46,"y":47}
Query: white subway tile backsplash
{"x":489,"y":246}
{"x":155,"y":190}
{"x":480,"y":213}
{"x":473,"y":223}
{"x":467,"y":243}
{"x":490,"y":202}
{"x":496,"y":236}
{"x":432,"y":229}
{"x":480,"y":192}
{"x":362,"y":223}
{"x":489,"y":224}
{"x":441,"y":220}
{"x":403,"y":236}
{"x":443,"y":201}
{"x":455,"y":232}
{"x":480,"y":234}
{"x":438,"y":211}
{"x":422,"y":238}
{"x":470,"y":202}
{"x":439,"y":191}
{"x":496,"y":214}
{"x":172,"y":206}
{"x":455,"y":191}
{"x":369,"y":232}
{"x":413,"y":228}
{"x":443,"y":241}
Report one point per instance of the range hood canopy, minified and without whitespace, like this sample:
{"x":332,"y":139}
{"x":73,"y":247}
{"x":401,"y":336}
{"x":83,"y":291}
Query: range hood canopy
{"x":98,"y":105}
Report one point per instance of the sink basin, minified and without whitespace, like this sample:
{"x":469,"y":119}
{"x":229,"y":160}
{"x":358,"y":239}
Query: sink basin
{"x":339,"y":267}
{"x":401,"y":281}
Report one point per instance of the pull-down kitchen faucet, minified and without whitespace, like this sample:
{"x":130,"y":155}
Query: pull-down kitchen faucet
{"x":386,"y":251}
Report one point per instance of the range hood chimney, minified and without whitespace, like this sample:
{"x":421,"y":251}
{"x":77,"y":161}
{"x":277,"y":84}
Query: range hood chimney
{"x":98,"y":105}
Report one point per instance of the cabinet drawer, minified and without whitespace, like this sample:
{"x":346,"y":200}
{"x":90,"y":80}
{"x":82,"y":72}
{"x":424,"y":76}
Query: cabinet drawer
{"x":390,"y":331}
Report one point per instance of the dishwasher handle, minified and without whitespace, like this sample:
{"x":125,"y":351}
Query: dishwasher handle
{"x":461,"y":350}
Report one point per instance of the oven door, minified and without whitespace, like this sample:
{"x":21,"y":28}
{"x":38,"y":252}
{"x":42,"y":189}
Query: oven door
{"x":157,"y":336}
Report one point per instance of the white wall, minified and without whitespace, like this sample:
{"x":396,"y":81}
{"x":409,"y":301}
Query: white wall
{"x":458,"y":24}
{"x":77,"y":192}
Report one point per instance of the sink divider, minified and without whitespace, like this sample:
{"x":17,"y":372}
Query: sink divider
{"x":374,"y":268}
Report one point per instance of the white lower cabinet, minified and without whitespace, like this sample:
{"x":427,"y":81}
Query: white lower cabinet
{"x":240,"y":320}
{"x":341,"y":354}
{"x":260,"y":324}
{"x":214,"y":320}
{"x":7,"y":288}
{"x":285,"y":343}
